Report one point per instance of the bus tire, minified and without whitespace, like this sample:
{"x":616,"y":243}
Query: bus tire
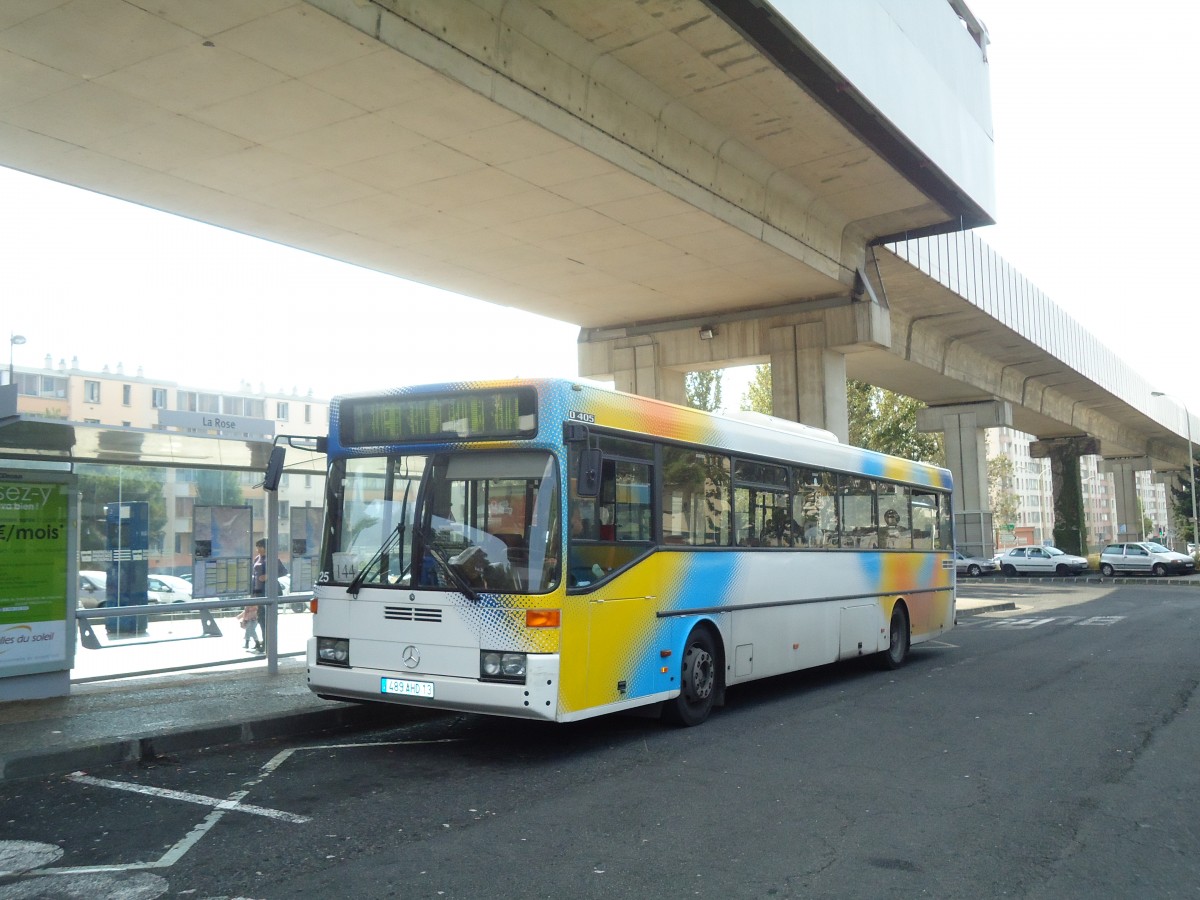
{"x":698,"y":681}
{"x":900,"y":639}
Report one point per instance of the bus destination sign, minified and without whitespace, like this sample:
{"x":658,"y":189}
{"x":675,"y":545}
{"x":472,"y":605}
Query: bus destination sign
{"x":499,"y":414}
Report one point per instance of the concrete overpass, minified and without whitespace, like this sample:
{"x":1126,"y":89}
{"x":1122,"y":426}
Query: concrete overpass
{"x":697,"y":183}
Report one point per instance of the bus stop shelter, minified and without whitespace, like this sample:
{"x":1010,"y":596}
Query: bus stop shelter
{"x":44,"y":452}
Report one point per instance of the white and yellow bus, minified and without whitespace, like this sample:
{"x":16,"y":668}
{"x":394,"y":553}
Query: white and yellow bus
{"x":556,"y":550}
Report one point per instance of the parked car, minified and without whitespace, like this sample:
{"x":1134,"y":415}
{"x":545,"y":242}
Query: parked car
{"x":973,"y":565}
{"x":1040,"y":560}
{"x":1147,"y":557}
{"x":93,"y":585}
{"x":91,"y":589}
{"x":285,"y":588}
{"x":168,"y":589}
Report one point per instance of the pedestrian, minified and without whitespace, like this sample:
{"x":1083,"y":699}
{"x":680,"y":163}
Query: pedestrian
{"x":258,"y":584}
{"x":248,"y":619}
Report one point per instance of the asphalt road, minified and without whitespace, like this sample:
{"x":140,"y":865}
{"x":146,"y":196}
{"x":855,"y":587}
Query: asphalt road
{"x":1044,"y":752}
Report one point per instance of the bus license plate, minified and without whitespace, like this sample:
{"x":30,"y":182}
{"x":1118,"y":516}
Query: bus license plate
{"x":407,"y":688}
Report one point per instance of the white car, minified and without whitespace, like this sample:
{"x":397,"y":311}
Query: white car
{"x":168,"y":589}
{"x":91,"y":589}
{"x":159,"y":588}
{"x":1040,"y":561}
{"x":1146,"y":557}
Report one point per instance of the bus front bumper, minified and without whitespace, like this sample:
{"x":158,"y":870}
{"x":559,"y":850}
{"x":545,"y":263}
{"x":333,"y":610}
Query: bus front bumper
{"x":537,"y":698}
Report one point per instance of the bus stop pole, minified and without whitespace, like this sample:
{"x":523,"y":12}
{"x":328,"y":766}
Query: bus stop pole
{"x":271,"y":569}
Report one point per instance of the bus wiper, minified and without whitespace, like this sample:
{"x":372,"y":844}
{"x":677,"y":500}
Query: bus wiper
{"x":393,"y":538}
{"x":396,"y":537}
{"x":444,"y":564}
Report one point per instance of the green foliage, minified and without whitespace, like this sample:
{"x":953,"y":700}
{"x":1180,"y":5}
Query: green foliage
{"x":886,"y":422}
{"x":879,"y":419}
{"x":1180,"y":504}
{"x":758,"y":392}
{"x":1005,"y":502}
{"x":216,"y":488}
{"x":703,"y":389}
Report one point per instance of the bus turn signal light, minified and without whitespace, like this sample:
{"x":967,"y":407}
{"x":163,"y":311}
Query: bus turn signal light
{"x":543,"y":618}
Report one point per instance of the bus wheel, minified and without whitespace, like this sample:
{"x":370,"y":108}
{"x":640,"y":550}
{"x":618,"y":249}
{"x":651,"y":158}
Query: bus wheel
{"x":897,"y":652}
{"x":697,"y":682}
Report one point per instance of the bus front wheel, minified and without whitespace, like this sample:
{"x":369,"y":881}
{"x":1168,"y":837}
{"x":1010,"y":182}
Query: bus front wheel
{"x":697,"y":681}
{"x":900,"y":638}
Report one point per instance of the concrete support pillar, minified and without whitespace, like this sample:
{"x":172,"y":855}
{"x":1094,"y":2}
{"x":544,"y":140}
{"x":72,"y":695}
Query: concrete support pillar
{"x":1130,"y":521}
{"x":966,"y":458}
{"x":633,"y":364}
{"x":808,"y":379}
{"x":1070,"y":524}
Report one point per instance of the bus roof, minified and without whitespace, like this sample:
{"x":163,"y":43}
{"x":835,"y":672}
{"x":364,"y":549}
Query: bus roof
{"x":605,"y":408}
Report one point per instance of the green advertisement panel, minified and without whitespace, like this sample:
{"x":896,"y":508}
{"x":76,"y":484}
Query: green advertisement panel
{"x":37,"y":540}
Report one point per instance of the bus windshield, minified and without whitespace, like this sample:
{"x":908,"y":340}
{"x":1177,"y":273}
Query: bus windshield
{"x":464,"y":521}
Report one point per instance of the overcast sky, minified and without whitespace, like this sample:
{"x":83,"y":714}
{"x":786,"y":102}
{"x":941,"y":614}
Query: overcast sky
{"x":1095,"y":182}
{"x":1096,"y":170}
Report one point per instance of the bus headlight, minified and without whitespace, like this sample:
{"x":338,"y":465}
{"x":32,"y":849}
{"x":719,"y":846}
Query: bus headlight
{"x":498,"y":665}
{"x":333,"y":651}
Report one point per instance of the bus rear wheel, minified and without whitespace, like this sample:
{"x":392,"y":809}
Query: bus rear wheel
{"x":697,"y":681}
{"x":900,"y":639}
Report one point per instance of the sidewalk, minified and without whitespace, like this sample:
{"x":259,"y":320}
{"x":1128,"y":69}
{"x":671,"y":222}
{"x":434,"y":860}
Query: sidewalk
{"x":135,"y":719}
{"x":131,"y":719}
{"x":107,"y":720}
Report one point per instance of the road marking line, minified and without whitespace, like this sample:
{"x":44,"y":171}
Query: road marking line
{"x":220,"y":807}
{"x":234,"y":802}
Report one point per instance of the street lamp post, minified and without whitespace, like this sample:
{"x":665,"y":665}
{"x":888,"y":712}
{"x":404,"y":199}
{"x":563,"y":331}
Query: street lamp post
{"x":14,"y":340}
{"x":1187,"y":417}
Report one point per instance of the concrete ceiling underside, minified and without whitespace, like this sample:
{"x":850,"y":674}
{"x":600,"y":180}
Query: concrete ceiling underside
{"x":319,"y":131}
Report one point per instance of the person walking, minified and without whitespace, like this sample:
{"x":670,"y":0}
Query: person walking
{"x":248,"y":619}
{"x":258,"y":585}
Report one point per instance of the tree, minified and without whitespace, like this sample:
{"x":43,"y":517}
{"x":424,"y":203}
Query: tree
{"x":1005,"y":502}
{"x":758,"y":392}
{"x":703,"y":389}
{"x":217,"y":488}
{"x":886,"y":422}
{"x":1180,"y":503}
{"x":879,"y":419}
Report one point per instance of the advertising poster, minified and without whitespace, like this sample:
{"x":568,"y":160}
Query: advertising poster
{"x":223,"y":551}
{"x":36,"y":528}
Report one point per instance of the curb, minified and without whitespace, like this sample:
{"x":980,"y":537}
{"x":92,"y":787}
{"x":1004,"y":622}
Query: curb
{"x":1169,"y":581}
{"x":999,"y":606}
{"x":147,"y":747}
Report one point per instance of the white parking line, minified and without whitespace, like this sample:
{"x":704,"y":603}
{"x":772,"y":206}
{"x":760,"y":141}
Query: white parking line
{"x":233,"y":803}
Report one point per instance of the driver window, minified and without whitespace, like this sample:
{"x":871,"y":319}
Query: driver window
{"x":493,"y":522}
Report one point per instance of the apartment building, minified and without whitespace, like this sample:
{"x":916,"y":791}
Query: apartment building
{"x":113,"y":397}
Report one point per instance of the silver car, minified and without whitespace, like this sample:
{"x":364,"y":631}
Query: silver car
{"x":1147,"y":557}
{"x":1040,"y":561}
{"x":973,"y":566}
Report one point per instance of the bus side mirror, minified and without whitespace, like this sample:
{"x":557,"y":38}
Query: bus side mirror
{"x":587,"y":479}
{"x":274,"y":468}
